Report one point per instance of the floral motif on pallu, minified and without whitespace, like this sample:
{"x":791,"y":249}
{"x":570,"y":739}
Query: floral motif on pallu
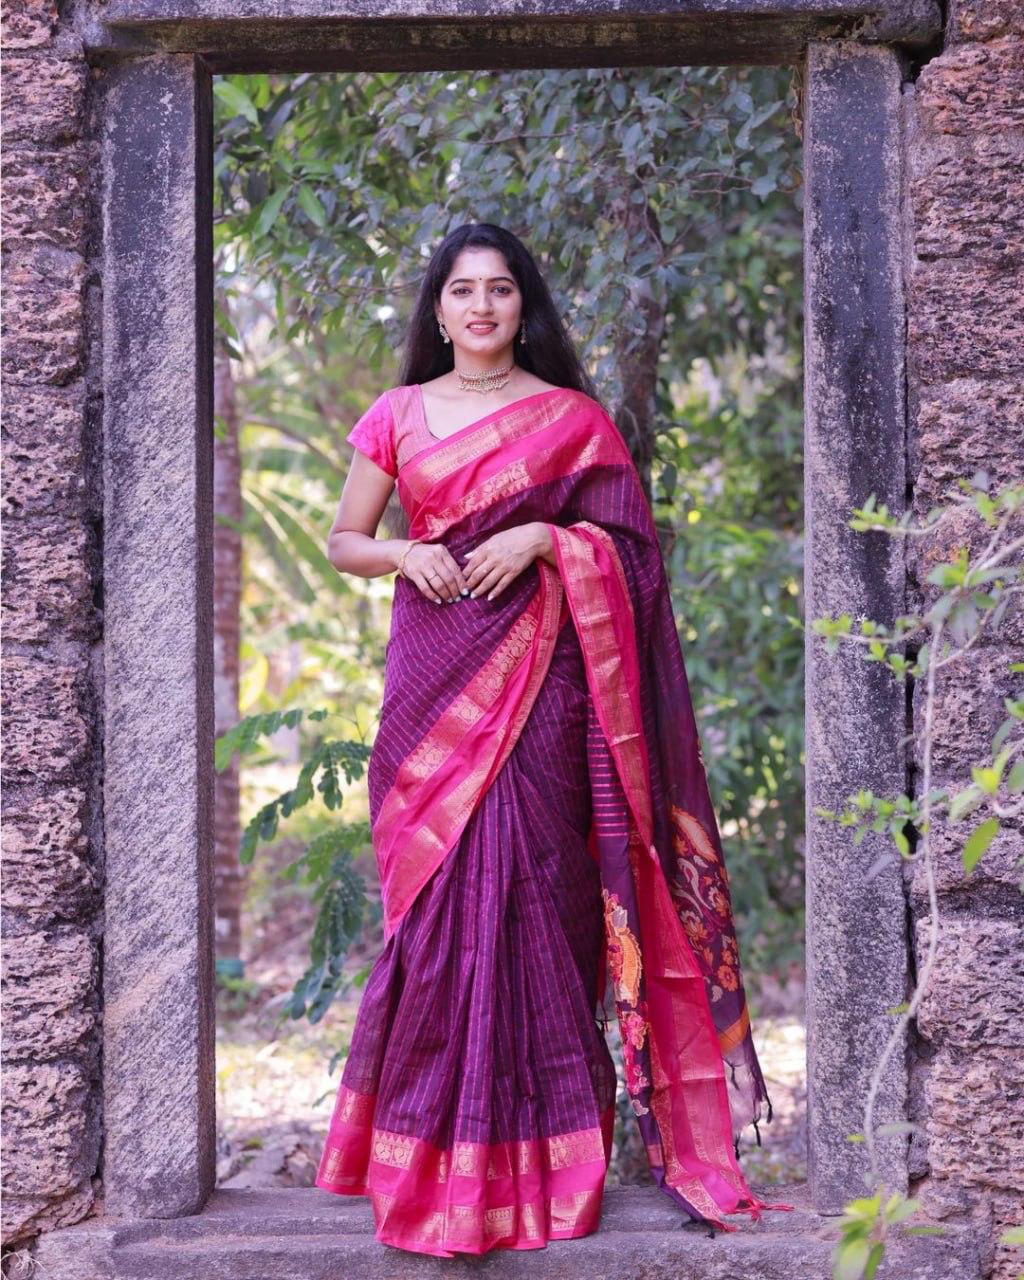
{"x":624,"y":960}
{"x":625,"y":967}
{"x":634,"y":1026}
{"x":700,"y":890}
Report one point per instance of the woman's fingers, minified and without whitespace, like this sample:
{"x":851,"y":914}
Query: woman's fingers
{"x":475,"y":567}
{"x":441,"y":578}
{"x":455,"y":570}
{"x":483,"y":564}
{"x":500,"y":585}
{"x":441,"y":575}
{"x":490,"y":579}
{"x":422,"y":580}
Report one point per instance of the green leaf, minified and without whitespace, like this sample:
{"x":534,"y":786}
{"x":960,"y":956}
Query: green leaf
{"x":978,"y":841}
{"x":851,"y":1259}
{"x":965,"y":802}
{"x":236,"y":100}
{"x":874,"y":1259}
{"x":311,"y":206}
{"x":269,"y":210}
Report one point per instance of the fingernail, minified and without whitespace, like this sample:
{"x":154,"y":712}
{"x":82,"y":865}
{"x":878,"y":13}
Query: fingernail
{"x":465,"y":591}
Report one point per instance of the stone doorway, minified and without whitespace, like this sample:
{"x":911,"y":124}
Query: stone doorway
{"x":158,"y":1082}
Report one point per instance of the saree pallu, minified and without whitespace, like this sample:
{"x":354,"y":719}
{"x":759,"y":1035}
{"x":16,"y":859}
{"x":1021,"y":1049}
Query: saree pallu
{"x":543,"y":826}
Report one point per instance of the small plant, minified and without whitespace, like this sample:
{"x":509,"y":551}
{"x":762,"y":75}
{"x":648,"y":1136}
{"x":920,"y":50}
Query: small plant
{"x":325,"y":867}
{"x":234,"y":993}
{"x":975,"y":594}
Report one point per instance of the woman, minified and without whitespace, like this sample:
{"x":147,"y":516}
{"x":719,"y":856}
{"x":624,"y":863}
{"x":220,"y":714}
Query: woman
{"x":538,"y":802}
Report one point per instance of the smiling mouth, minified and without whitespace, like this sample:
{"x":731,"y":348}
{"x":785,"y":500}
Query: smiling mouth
{"x":483,"y":327}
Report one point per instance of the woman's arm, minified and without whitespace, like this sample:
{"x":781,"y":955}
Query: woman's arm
{"x":352,"y":546}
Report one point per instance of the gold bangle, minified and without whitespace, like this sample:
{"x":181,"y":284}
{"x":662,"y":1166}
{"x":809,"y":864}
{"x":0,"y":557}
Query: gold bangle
{"x":401,"y":559}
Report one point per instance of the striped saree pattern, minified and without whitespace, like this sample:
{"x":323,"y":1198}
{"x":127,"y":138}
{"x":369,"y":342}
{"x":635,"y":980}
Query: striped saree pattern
{"x":543,"y":827}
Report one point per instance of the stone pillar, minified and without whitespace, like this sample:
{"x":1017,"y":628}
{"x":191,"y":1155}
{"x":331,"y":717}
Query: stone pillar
{"x":855,"y":427}
{"x":158,"y":517}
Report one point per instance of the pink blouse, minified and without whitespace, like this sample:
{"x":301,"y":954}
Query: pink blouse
{"x":393,"y":429}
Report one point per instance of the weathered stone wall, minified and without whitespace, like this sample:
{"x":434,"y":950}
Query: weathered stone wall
{"x":52,"y":631}
{"x":966,"y":275}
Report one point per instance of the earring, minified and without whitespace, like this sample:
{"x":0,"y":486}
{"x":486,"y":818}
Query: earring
{"x":522,"y":332}
{"x":444,"y":331}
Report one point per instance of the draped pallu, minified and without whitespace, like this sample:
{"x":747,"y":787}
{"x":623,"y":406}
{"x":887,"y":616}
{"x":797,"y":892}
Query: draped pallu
{"x":454,"y":743}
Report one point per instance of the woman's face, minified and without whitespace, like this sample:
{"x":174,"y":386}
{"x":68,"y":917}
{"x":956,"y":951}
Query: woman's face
{"x":480,"y":305}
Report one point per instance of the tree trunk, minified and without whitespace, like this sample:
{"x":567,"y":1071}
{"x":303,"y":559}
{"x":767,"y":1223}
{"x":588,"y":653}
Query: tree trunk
{"x":229,"y":874}
{"x":639,"y":370}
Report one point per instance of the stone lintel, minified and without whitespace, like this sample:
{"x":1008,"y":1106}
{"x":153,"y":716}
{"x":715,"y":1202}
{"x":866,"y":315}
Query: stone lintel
{"x":421,"y":35}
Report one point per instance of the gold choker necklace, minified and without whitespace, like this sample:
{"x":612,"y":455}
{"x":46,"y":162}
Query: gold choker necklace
{"x":492,"y":380}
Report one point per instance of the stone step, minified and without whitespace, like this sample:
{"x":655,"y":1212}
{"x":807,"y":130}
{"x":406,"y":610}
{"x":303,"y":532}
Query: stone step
{"x":311,"y":1235}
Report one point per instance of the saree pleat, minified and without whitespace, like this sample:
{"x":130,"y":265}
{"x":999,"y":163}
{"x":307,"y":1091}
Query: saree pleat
{"x":542,"y":824}
{"x":476,"y":1040}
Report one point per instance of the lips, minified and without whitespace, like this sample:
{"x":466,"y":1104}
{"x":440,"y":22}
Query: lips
{"x":481,"y":328}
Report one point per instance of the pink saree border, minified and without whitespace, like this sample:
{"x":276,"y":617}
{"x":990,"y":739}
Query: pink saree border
{"x":440,"y":782}
{"x":472,"y":1196}
{"x":503,"y":454}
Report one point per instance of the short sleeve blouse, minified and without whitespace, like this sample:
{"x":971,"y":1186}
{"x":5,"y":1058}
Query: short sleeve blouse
{"x":374,"y":435}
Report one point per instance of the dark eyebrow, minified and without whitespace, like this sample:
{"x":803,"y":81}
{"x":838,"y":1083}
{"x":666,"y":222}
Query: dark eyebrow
{"x":491,"y":280}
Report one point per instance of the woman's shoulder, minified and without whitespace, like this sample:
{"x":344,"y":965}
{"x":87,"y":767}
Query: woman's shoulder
{"x":588,"y":402}
{"x":373,"y":434}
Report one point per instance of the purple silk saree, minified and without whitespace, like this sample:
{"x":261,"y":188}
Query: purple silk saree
{"x":542,"y":823}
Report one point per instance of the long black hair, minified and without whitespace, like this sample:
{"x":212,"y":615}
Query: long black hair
{"x":548,"y":351}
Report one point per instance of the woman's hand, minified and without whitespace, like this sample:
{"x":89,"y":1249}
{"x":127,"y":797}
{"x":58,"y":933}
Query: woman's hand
{"x":493,"y":564}
{"x":433,"y":568}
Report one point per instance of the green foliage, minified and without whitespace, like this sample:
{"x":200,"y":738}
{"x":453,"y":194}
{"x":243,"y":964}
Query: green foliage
{"x":326,"y":759}
{"x":324,"y":867}
{"x":975,"y":595}
{"x":244,"y":736}
{"x":344,"y":910}
{"x":865,"y":1228}
{"x":633,"y":186}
